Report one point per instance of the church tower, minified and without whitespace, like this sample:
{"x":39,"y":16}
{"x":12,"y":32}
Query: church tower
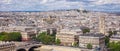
{"x":102,"y":25}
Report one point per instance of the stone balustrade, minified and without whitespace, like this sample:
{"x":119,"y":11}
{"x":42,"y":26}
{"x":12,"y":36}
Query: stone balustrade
{"x":7,"y":46}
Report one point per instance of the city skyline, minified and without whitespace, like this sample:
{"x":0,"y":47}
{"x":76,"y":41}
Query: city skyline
{"x":47,"y":5}
{"x":62,"y":30}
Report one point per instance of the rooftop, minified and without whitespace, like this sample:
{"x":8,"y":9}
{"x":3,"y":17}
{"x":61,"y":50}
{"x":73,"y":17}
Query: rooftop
{"x":116,"y":36}
{"x":93,"y":34}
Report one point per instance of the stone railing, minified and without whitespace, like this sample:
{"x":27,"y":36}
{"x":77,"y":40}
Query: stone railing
{"x":7,"y":46}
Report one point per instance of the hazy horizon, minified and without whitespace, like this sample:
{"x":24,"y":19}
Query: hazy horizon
{"x":48,"y":5}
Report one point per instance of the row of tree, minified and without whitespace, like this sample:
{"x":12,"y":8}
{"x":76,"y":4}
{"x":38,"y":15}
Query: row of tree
{"x":12,"y":36}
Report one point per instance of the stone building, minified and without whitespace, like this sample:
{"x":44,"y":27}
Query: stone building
{"x":68,"y":36}
{"x":26,"y":32}
{"x":7,"y":46}
{"x":96,"y":40}
{"x":115,"y":38}
{"x":102,"y":25}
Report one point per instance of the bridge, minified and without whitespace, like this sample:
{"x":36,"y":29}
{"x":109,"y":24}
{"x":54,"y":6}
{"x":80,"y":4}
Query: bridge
{"x":26,"y":46}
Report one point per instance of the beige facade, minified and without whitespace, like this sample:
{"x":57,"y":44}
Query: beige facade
{"x":102,"y":25}
{"x":96,"y":40}
{"x":114,"y":39}
{"x":7,"y":46}
{"x":26,"y":32}
{"x":68,"y":37}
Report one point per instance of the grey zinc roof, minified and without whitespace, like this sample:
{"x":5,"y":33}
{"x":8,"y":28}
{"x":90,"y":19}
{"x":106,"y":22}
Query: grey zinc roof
{"x":92,"y":34}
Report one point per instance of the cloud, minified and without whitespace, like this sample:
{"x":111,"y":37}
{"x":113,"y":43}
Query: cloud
{"x":101,"y":2}
{"x":44,"y":5}
{"x":62,"y":5}
{"x":47,"y":1}
{"x":5,"y":1}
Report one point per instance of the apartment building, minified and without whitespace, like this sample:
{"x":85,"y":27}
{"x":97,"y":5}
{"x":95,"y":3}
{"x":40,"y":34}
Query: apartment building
{"x":115,"y":38}
{"x":96,"y":40}
{"x":68,"y":36}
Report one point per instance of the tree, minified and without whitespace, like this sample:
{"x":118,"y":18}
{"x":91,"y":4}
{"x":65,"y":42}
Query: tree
{"x":34,"y":38}
{"x":114,"y":46}
{"x":75,"y":44}
{"x":111,"y":33}
{"x":85,"y":30}
{"x":48,"y":40}
{"x":41,"y":36}
{"x":57,"y":41}
{"x":89,"y":46}
{"x":106,"y":40}
{"x":3,"y":33}
{"x":15,"y":36}
{"x":78,"y":10}
{"x":85,"y":11}
{"x":3,"y":36}
{"x":45,"y":38}
{"x":12,"y":36}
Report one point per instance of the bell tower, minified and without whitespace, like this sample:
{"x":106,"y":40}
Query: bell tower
{"x":102,"y":25}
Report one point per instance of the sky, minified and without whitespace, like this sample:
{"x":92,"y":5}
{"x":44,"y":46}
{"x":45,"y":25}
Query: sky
{"x":46,"y":5}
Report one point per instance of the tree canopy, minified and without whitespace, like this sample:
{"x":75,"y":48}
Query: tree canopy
{"x":75,"y":44}
{"x":86,"y":30}
{"x":89,"y":46}
{"x":57,"y":41}
{"x":111,"y":33}
{"x":107,"y":40}
{"x":12,"y":36}
{"x":46,"y":38}
{"x":114,"y":46}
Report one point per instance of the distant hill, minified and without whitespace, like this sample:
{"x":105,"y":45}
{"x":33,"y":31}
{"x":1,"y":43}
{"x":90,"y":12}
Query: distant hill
{"x":109,"y":12}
